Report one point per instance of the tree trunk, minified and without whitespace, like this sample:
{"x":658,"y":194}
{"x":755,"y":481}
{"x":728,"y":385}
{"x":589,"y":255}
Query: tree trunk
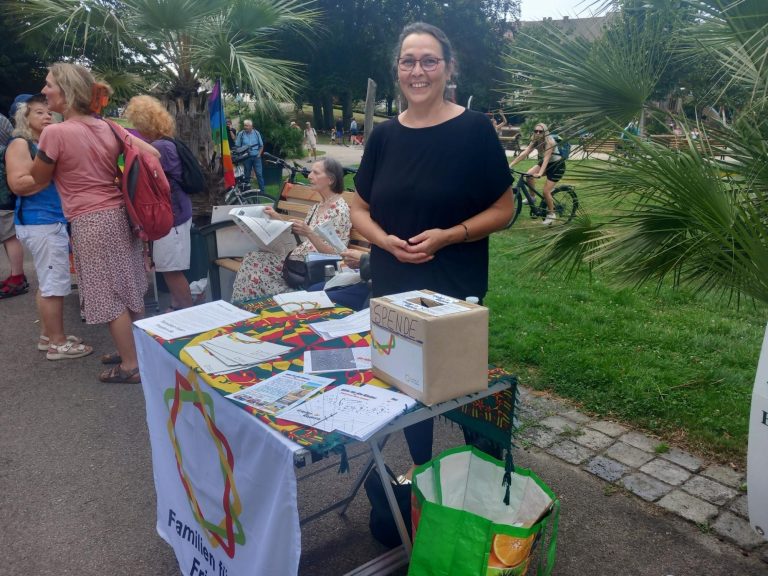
{"x":193,"y":127}
{"x":346,"y":108}
{"x":317,"y":112}
{"x":370,"y":105}
{"x":327,"y":111}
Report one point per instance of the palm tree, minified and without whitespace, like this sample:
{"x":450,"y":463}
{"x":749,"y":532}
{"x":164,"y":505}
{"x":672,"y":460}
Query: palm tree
{"x":176,"y":48}
{"x":695,"y":217}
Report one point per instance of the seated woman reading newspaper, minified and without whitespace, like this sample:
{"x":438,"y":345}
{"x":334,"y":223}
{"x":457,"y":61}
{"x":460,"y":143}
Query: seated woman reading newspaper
{"x":261,"y":273}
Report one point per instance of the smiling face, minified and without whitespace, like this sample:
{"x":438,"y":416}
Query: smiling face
{"x":38,"y":116}
{"x":55,"y":96}
{"x":419,"y":87}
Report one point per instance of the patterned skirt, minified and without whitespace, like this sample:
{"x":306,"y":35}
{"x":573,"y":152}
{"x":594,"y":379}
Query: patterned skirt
{"x":260,"y":274}
{"x":110,"y":265}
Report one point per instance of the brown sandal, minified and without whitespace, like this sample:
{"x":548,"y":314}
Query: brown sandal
{"x":117,"y":375}
{"x":111,"y":358}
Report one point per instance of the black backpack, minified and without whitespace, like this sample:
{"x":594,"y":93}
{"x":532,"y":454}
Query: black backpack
{"x":192,"y":177}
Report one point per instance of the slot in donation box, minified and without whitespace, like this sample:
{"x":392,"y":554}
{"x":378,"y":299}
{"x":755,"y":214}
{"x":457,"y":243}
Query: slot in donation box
{"x":430,"y":346}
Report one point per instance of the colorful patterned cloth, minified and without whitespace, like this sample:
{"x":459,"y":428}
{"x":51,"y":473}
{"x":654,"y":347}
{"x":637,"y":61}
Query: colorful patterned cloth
{"x":492,"y":417}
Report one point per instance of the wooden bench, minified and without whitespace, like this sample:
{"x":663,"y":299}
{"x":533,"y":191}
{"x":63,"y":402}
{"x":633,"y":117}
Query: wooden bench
{"x":608,"y":146}
{"x":296,"y":203}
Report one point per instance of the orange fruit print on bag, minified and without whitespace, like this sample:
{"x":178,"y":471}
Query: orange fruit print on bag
{"x":509,"y":556}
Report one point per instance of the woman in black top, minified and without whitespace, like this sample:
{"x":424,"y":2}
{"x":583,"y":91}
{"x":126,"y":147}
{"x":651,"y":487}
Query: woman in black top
{"x":432,"y":185}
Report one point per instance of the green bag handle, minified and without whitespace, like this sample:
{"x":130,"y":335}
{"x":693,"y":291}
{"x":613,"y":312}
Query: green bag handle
{"x":552,"y":520}
{"x":438,"y":485}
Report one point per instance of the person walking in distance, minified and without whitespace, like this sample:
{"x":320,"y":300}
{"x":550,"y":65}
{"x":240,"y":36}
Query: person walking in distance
{"x":310,"y":140}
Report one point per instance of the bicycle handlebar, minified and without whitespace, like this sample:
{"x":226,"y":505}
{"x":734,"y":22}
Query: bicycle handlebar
{"x":294,"y":168}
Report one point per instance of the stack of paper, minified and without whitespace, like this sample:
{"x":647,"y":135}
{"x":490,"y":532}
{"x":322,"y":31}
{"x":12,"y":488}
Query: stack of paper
{"x":280,"y":392}
{"x":302,"y":301}
{"x":233,"y":352}
{"x":354,"y":411}
{"x":352,"y":324}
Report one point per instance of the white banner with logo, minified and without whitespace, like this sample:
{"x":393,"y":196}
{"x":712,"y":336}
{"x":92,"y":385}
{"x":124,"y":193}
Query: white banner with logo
{"x":226,"y":487}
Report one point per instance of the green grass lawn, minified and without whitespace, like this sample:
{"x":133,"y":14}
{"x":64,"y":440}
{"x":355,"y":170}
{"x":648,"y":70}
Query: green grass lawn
{"x":676,"y":364}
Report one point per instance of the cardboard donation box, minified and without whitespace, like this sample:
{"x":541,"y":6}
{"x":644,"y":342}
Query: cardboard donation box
{"x":431,"y":347}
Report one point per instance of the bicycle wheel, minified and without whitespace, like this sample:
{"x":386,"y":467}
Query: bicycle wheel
{"x":566,"y":203}
{"x":517,"y":200}
{"x":253,"y":196}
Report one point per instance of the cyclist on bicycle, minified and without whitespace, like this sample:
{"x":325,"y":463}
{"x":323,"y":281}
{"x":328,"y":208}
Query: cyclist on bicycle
{"x":551,"y":164}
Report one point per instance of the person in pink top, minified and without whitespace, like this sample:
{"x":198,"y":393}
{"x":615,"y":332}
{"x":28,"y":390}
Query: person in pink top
{"x":80,"y":155}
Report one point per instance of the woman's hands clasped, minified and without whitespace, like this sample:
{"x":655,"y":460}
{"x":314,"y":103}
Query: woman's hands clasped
{"x":420,"y":248}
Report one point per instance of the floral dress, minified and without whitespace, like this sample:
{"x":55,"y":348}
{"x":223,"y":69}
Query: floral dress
{"x":261,"y":273}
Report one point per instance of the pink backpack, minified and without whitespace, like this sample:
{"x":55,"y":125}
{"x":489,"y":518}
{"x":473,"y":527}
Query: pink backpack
{"x":145,"y":188}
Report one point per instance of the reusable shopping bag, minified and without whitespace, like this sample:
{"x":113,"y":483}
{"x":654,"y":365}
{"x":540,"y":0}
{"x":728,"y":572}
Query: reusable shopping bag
{"x":463,"y":525}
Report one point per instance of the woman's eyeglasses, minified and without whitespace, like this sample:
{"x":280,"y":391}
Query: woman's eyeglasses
{"x":428,"y":63}
{"x":538,"y":131}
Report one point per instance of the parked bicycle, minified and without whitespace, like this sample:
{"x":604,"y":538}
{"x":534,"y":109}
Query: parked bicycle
{"x":295,"y":170}
{"x":242,"y":193}
{"x":564,"y":197}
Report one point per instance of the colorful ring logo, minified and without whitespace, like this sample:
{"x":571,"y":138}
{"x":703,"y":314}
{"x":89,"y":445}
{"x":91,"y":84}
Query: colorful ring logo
{"x":229,"y":531}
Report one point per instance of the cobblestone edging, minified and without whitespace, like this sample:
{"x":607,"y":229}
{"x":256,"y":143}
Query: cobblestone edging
{"x":712,"y":496}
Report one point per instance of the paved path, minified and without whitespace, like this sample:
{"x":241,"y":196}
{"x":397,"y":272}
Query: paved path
{"x":709,"y":495}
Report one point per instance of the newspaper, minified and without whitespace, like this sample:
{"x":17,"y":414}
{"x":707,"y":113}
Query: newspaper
{"x":328,"y":234}
{"x":270,"y":235}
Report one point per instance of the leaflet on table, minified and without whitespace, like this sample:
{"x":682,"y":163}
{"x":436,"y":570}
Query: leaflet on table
{"x":281,"y":392}
{"x":232,"y":352}
{"x":270,"y":234}
{"x":352,"y":324}
{"x":193,"y":320}
{"x":302,"y":300}
{"x":328,"y":234}
{"x":355,"y":411}
{"x":336,"y":359}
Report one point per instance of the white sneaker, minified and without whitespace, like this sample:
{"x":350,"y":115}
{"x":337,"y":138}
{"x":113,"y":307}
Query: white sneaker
{"x":525,"y":200}
{"x":550,"y":219}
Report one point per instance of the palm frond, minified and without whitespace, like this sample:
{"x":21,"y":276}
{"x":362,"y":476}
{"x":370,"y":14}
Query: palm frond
{"x":183,"y":41}
{"x":595,"y":85}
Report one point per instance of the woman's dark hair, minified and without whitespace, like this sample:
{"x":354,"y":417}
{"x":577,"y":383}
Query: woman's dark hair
{"x":434,"y":31}
{"x":335,"y":172}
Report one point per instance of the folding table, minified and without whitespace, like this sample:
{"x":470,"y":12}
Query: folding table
{"x":224,"y":473}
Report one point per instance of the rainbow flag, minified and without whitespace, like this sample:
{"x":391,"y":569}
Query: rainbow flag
{"x":219,"y":133}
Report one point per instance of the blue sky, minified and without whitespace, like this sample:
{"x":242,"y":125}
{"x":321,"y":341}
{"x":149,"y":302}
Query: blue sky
{"x":538,"y":9}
